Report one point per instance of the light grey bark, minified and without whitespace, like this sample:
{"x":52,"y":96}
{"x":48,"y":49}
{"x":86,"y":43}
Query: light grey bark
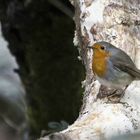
{"x":117,"y":22}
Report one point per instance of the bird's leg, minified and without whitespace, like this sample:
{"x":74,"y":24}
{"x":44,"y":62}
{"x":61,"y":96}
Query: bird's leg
{"x":117,"y":95}
{"x":124,"y":91}
{"x":112,"y":93}
{"x":105,"y":92}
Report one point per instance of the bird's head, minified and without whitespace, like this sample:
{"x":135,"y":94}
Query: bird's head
{"x":100,"y":49}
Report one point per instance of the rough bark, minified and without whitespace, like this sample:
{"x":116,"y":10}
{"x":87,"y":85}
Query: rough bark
{"x":117,"y":22}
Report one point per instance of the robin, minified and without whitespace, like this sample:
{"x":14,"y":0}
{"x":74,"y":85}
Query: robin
{"x":112,"y":67}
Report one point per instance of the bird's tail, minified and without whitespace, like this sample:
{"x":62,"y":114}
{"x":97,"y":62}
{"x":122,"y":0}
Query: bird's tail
{"x":135,"y":72}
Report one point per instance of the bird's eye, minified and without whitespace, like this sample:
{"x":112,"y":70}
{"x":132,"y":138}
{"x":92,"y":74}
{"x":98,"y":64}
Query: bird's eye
{"x":102,"y":47}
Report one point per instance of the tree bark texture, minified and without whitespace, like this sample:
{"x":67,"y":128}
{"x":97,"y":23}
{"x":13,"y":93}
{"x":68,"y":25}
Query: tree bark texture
{"x":117,"y":22}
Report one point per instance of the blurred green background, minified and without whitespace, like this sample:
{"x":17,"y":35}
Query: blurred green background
{"x":40,"y":34}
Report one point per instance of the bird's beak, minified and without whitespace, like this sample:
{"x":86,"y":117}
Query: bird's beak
{"x":89,"y":47}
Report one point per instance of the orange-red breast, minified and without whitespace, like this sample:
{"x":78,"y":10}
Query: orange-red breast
{"x":112,"y":66}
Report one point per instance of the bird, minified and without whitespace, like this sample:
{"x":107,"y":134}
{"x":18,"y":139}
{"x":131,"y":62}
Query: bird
{"x":112,"y":67}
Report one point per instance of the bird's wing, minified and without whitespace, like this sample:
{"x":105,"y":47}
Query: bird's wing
{"x":123,"y":62}
{"x":132,"y":70}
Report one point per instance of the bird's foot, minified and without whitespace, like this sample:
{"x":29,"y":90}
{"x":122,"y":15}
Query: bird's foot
{"x":113,"y":95}
{"x":117,"y":95}
{"x":104,"y":92}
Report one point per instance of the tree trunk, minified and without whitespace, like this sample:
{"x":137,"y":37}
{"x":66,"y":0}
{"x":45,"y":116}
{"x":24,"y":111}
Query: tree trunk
{"x":117,"y":22}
